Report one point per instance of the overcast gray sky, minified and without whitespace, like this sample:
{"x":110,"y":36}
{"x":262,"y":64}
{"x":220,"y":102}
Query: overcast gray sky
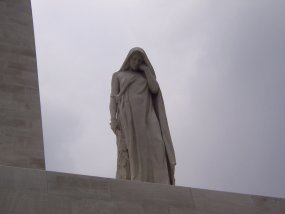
{"x":221,"y":68}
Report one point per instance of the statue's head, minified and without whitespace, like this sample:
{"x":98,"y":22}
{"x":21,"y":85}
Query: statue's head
{"x":134,"y":59}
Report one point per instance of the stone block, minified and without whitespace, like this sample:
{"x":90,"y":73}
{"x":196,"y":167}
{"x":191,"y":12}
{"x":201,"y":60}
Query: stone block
{"x":69,"y":193}
{"x":23,"y":191}
{"x":216,"y":202}
{"x":125,"y":207}
{"x":81,"y":186}
{"x":267,"y":205}
{"x":15,"y":202}
{"x":30,"y":191}
{"x":22,"y":179}
{"x":149,"y":192}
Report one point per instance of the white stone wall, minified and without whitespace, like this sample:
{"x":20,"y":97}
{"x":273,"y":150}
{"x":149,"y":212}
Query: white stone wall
{"x":33,"y":191}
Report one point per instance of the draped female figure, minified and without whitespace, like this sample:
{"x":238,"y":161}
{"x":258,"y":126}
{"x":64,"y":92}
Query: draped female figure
{"x":138,"y":118}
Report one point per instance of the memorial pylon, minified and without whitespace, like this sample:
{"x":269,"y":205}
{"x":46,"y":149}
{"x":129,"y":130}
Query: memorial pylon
{"x":21,"y":138}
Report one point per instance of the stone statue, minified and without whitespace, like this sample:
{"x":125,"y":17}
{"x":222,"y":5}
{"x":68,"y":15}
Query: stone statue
{"x":138,"y":119}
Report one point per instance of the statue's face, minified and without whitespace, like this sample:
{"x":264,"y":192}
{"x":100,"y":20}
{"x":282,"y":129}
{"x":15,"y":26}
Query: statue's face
{"x":135,"y":61}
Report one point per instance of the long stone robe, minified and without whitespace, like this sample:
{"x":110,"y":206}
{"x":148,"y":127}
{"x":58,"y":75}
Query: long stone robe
{"x":140,"y":130}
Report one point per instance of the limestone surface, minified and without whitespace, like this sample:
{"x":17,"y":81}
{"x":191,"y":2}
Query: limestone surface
{"x":34,"y":191}
{"x":21,"y":140}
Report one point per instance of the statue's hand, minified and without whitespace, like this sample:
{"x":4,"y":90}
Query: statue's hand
{"x":114,"y":125}
{"x":144,"y":68}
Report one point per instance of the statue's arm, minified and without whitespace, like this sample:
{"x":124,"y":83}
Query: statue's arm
{"x":152,"y":83}
{"x":115,"y":87}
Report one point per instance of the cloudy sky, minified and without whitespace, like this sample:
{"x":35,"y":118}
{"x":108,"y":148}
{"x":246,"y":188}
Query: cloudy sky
{"x":221,"y":68}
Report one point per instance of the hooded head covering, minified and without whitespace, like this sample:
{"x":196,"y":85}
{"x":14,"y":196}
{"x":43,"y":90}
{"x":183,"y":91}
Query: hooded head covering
{"x":126,"y":63}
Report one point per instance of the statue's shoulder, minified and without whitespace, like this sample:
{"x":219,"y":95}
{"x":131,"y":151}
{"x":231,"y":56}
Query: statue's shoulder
{"x":119,"y":74}
{"x":115,"y":74}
